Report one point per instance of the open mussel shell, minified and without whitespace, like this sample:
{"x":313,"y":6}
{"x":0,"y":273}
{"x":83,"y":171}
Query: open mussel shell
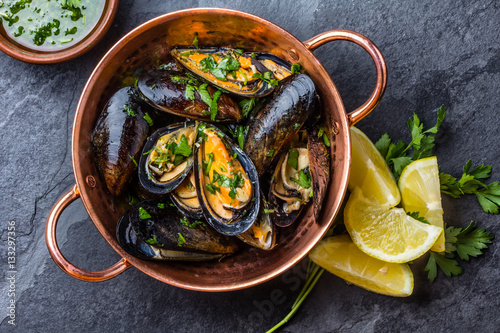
{"x":157,"y":231}
{"x":167,"y":157}
{"x":302,"y":173}
{"x":278,"y":66}
{"x":185,"y":197}
{"x":118,"y":137}
{"x":277,"y":123}
{"x":227,"y":183}
{"x":262,"y":234}
{"x":179,"y":94}
{"x":226,"y":68}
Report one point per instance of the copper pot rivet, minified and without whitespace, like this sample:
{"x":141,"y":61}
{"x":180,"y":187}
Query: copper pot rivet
{"x":293,"y":55}
{"x":90,"y":181}
{"x":335,"y":128}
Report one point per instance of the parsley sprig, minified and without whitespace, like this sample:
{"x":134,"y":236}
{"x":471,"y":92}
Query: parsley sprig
{"x":422,"y":143}
{"x":468,"y":242}
{"x":473,"y":182}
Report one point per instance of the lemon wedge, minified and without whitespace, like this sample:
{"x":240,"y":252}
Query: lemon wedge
{"x":370,"y":172}
{"x":341,"y":257}
{"x":386,"y":233}
{"x":421,"y":192}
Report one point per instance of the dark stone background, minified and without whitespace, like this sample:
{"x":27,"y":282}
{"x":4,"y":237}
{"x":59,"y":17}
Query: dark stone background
{"x":438,"y":53}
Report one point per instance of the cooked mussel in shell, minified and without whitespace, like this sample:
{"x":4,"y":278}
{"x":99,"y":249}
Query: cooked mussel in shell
{"x":181,"y":94}
{"x":229,"y":69}
{"x":227,"y":183}
{"x":118,"y":137}
{"x":262,"y":234}
{"x":185,"y":197}
{"x":294,"y":183}
{"x":168,"y":157}
{"x":155,"y":230}
{"x":276,"y":124}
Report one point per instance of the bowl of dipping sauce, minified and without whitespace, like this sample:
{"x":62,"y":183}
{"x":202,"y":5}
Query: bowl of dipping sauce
{"x":52,"y":31}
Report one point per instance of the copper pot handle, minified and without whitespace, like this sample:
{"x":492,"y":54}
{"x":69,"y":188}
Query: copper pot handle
{"x":60,"y":260}
{"x":377,"y":57}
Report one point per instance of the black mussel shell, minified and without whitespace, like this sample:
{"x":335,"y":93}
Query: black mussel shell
{"x":272,"y":130}
{"x":118,"y":137}
{"x":232,"y":80}
{"x":151,"y":180}
{"x":153,"y":229}
{"x":241,"y":218}
{"x":185,"y":197}
{"x":319,"y":164}
{"x":262,"y":234}
{"x":168,"y":91}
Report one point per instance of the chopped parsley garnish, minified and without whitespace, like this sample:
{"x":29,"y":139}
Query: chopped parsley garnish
{"x":211,"y":188}
{"x":204,"y":94}
{"x":184,"y":79}
{"x":416,"y":216}
{"x":213,"y":105}
{"x":247,"y":105}
{"x":132,"y":199}
{"x":147,"y":153}
{"x":194,"y":225}
{"x":161,"y":205}
{"x":268,"y":211}
{"x":270,"y":153}
{"x":304,"y":179}
{"x":129,"y":110}
{"x":143,"y":214}
{"x":207,"y":165}
{"x":181,"y":240}
{"x":133,"y":160}
{"x":266,"y":77}
{"x":221,"y":69}
{"x":183,"y":148}
{"x":189,"y":94}
{"x":152,"y":240}
{"x":245,"y":78}
{"x":293,"y":158}
{"x":148,"y":119}
{"x":296,"y":125}
{"x":296,"y":68}
{"x":240,"y":135}
{"x":195,"y":40}
{"x":71,"y":3}
{"x":190,"y":186}
{"x":238,"y":51}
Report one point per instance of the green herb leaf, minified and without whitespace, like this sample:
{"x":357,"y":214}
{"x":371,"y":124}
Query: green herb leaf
{"x":161,"y":205}
{"x":270,"y":153}
{"x":268,"y":211}
{"x":304,"y":179}
{"x":266,"y":77}
{"x":181,"y":240}
{"x":71,"y":3}
{"x":133,"y":160}
{"x":241,"y":133}
{"x":195,"y":40}
{"x":204,"y":94}
{"x":152,"y":240}
{"x":129,"y":110}
{"x":296,"y":68}
{"x":247,"y":105}
{"x":448,"y":265}
{"x":416,"y":216}
{"x":293,"y":158}
{"x":214,"y":106}
{"x":183,"y":148}
{"x":143,"y":214}
{"x":189,"y":93}
{"x":471,"y":241}
{"x":148,"y":119}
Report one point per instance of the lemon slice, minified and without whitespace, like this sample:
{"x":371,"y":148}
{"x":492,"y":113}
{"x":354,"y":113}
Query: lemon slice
{"x":341,"y":257}
{"x":370,"y":172}
{"x":421,"y":192}
{"x":388,"y":234}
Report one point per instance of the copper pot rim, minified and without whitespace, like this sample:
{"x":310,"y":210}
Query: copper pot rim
{"x":28,"y":55}
{"x":343,"y":123}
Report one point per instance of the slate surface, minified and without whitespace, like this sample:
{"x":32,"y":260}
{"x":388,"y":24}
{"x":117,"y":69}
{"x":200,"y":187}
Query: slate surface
{"x":438,"y":53}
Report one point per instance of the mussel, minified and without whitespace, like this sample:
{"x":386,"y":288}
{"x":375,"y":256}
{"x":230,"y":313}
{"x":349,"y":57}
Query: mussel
{"x":185,"y":197}
{"x":118,"y":137}
{"x":157,"y":231}
{"x":262,"y":234}
{"x":280,"y":68}
{"x":294,"y":182}
{"x":272,"y":130}
{"x":229,"y":69}
{"x":226,"y":182}
{"x":167,"y":157}
{"x":181,"y":94}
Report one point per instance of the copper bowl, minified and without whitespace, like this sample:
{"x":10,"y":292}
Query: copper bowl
{"x":10,"y":47}
{"x":142,"y":47}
